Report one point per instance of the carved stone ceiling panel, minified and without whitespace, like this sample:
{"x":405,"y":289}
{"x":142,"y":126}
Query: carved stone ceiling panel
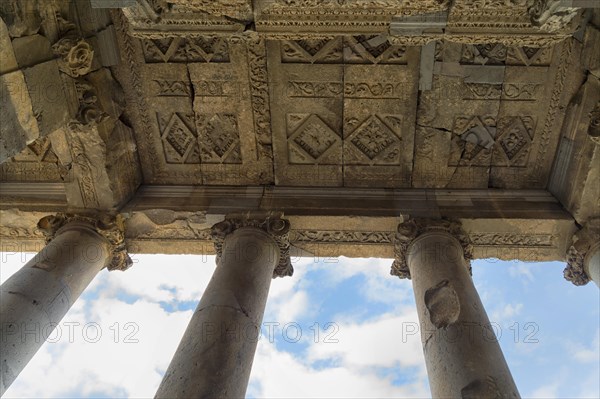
{"x":201,"y":110}
{"x":343,"y":111}
{"x":485,"y":123}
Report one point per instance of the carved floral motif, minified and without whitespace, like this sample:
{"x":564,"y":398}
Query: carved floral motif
{"x":594,"y":128}
{"x":413,"y":228}
{"x":585,"y":242}
{"x":276,"y":227}
{"x":76,"y":55}
{"x":110,"y":227}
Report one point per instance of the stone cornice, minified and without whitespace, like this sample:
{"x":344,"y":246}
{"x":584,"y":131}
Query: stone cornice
{"x":413,"y":228}
{"x":585,"y":241}
{"x":276,"y":227}
{"x":540,"y":24}
{"x":111,"y":228}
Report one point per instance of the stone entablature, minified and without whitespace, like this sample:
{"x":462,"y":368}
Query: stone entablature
{"x":522,"y":22}
{"x":511,"y":225}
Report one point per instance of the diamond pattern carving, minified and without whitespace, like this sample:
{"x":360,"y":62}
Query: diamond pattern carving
{"x":312,"y":138}
{"x":312,"y":46}
{"x":374,"y":49}
{"x":199,"y":49}
{"x":514,"y":141}
{"x":314,"y":51}
{"x":178,"y":137}
{"x":473,"y":139}
{"x":218,"y":138}
{"x":528,"y":56}
{"x":373,"y":138}
{"x":484,"y":54}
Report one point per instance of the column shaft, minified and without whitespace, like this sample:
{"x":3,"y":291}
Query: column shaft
{"x":34,"y":300}
{"x":462,"y":355}
{"x":215,"y":355}
{"x":592,"y":265}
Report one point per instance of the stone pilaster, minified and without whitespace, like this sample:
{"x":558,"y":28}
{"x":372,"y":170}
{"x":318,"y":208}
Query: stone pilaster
{"x":582,"y":255}
{"x":462,"y":354}
{"x":215,"y":355}
{"x":35,"y":299}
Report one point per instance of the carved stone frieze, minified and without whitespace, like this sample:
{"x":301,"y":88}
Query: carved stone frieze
{"x":467,"y":21}
{"x":110,"y":227}
{"x":413,"y":228}
{"x":585,"y":241}
{"x":165,"y":224}
{"x":513,"y":240}
{"x":552,"y":15}
{"x":336,"y":236}
{"x":159,"y":19}
{"x":276,"y":227}
{"x":38,"y":162}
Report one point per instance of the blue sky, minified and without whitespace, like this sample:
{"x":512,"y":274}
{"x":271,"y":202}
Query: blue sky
{"x":339,"y":328}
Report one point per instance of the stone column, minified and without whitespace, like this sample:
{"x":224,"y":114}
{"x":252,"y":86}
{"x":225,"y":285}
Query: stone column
{"x":34,"y":299}
{"x":215,"y":355}
{"x":462,"y":355}
{"x":583,"y":257}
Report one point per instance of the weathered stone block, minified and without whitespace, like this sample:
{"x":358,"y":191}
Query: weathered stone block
{"x":32,"y":50}
{"x":45,"y":87}
{"x":21,"y":17}
{"x":19,"y":126}
{"x":8,"y":62}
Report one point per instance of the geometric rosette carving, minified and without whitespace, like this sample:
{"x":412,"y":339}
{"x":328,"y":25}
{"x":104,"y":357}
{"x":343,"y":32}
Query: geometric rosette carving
{"x":311,"y":140}
{"x":219,"y":138}
{"x":513,"y":142}
{"x":374,"y":140}
{"x":178,"y":137}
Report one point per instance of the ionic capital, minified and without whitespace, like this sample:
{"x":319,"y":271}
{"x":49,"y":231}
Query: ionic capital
{"x":110,"y":227}
{"x":585,"y":242}
{"x":277,"y":228}
{"x":414,"y":228}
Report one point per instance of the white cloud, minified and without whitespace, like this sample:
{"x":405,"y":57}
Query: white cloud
{"x":506,"y":314}
{"x":279,"y":374}
{"x":164,"y":278}
{"x":586,"y":353}
{"x":135,"y":345}
{"x":380,"y":285}
{"x":389,"y":340}
{"x":521,"y":271}
{"x":547,"y":391}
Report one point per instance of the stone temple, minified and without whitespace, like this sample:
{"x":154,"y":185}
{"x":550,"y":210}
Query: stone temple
{"x":431,"y":131}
